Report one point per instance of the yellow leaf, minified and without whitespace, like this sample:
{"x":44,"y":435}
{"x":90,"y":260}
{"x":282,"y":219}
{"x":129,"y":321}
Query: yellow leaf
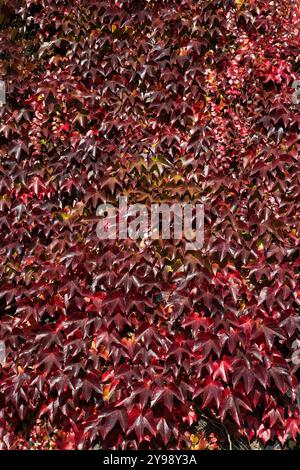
{"x":260,"y":246}
{"x":106,"y":393}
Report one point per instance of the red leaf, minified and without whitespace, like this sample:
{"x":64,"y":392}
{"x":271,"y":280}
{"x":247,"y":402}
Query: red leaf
{"x":164,"y":430}
{"x":232,"y":403}
{"x":139,"y":423}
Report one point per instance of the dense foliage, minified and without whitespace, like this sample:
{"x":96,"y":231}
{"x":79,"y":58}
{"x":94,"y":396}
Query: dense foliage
{"x":128,"y":344}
